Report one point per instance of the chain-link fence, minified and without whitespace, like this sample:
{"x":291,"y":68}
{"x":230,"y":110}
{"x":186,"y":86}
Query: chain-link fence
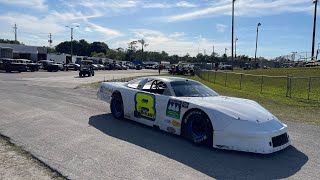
{"x":290,"y":86}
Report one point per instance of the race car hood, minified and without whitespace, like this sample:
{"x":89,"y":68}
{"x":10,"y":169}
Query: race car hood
{"x":237,"y":108}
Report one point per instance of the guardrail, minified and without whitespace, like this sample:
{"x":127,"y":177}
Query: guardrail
{"x":289,"y":86}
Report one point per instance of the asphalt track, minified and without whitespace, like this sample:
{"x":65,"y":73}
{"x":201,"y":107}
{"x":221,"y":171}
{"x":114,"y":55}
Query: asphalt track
{"x":70,"y":130}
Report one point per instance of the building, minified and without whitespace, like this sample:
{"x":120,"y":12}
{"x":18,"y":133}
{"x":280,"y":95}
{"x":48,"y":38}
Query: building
{"x":33,"y":53}
{"x":63,"y":58}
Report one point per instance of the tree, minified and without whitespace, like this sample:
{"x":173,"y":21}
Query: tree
{"x":7,"y":41}
{"x":98,"y":47}
{"x":99,"y":55}
{"x":143,"y":44}
{"x":51,"y":50}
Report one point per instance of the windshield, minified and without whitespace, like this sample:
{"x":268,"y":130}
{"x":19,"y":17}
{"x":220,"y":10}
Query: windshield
{"x":191,"y":89}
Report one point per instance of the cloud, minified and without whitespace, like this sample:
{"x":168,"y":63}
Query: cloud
{"x":173,"y":43}
{"x":107,"y":32}
{"x":35,"y":4}
{"x":221,"y":27}
{"x":185,"y":4}
{"x":181,"y":4}
{"x":245,"y":8}
{"x":87,"y":29}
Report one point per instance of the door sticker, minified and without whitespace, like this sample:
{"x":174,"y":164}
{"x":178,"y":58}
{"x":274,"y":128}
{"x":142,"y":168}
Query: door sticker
{"x":173,"y":109}
{"x":145,"y":106}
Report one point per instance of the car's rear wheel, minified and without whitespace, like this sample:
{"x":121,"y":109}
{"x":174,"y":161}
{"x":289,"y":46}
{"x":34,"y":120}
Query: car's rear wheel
{"x":116,"y":106}
{"x":197,"y":128}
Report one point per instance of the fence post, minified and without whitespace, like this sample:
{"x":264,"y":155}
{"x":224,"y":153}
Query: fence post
{"x":215,"y":77}
{"x":309,"y":88}
{"x":241,"y":81}
{"x":225,"y":81}
{"x":290,"y":86}
{"x":261,"y":84}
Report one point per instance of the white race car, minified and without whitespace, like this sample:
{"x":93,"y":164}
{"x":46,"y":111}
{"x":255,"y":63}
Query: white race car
{"x":188,"y":108}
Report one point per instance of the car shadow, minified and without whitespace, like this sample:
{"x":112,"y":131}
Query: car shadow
{"x":220,"y":164}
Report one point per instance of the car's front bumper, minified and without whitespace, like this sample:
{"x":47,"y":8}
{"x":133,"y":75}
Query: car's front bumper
{"x":263,"y":143}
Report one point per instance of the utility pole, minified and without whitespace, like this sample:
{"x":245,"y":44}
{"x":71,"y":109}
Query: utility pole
{"x":314,"y":27}
{"x":213,"y":50}
{"x":255,"y":55}
{"x":71,"y":51}
{"x":232,"y":58}
{"x":235,"y":48}
{"x":15,"y":32}
{"x":50,"y":40}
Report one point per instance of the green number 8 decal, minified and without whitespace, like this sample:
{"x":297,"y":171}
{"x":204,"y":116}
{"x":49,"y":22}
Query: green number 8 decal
{"x":145,"y":106}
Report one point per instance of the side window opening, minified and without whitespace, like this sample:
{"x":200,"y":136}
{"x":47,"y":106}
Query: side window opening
{"x":157,"y":87}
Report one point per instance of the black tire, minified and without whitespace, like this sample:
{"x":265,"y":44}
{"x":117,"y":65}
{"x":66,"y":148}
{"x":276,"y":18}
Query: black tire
{"x":197,"y":128}
{"x":116,"y":106}
{"x":93,"y":74}
{"x":80,"y":74}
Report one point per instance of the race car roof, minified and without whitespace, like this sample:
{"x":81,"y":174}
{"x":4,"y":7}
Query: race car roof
{"x":167,"y":78}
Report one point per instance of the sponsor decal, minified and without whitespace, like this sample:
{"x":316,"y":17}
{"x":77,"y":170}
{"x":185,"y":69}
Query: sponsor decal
{"x":145,"y":106}
{"x":185,"y":105}
{"x":167,"y":121}
{"x":171,"y":130}
{"x":173,"y":109}
{"x":175,"y":123}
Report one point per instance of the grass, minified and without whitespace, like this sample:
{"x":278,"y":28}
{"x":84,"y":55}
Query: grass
{"x":312,"y":71}
{"x":273,"y":82}
{"x":287,"y":109}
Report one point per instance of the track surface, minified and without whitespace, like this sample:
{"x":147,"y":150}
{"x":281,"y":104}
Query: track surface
{"x":73,"y":132}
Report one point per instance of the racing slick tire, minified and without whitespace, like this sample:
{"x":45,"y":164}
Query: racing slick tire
{"x":197,"y":128}
{"x":116,"y":106}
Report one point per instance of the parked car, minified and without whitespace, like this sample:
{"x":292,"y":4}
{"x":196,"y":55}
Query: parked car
{"x":95,"y":67}
{"x":247,"y":66}
{"x":138,"y":67}
{"x":31,"y":66}
{"x":225,"y":66}
{"x":73,"y":66}
{"x":61,"y":66}
{"x":101,"y":67}
{"x":86,"y":68}
{"x":10,"y":65}
{"x":124,"y":67}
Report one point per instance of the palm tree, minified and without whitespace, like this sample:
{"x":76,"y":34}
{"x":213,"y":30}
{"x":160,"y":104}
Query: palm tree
{"x":143,"y":44}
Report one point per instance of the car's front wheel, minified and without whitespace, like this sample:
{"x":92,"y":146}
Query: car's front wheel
{"x":197,"y":128}
{"x":116,"y":106}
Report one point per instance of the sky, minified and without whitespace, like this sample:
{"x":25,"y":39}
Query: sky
{"x":175,"y":26}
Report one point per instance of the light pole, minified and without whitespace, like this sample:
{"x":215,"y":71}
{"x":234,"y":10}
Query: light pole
{"x":235,"y":48}
{"x":255,"y":54}
{"x":71,"y":51}
{"x":232,"y":38}
{"x":314,"y":27}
